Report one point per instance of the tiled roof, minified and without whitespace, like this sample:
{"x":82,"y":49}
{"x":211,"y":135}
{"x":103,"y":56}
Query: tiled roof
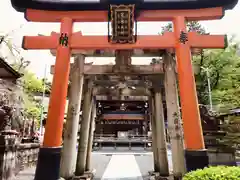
{"x":6,"y":71}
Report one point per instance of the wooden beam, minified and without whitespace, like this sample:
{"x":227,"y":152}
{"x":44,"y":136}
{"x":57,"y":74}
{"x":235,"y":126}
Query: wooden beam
{"x":166,"y":41}
{"x":117,"y":104}
{"x":131,"y":83}
{"x":78,"y":41}
{"x":40,"y":42}
{"x":102,"y":16}
{"x":99,"y":42}
{"x":140,"y":91}
{"x":107,"y":69}
{"x":111,"y":53}
{"x":207,"y":41}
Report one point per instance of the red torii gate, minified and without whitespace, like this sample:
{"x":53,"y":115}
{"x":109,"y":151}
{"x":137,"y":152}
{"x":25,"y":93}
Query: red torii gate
{"x":49,"y":156}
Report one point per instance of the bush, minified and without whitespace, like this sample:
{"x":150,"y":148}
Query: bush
{"x":214,"y":173}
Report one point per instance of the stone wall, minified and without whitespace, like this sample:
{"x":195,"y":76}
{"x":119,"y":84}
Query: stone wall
{"x":15,"y":157}
{"x":222,"y":157}
{"x":26,"y":156}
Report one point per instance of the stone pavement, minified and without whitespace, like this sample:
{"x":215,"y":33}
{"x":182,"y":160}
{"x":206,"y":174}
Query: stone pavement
{"x":125,"y":166}
{"x":27,"y":174}
{"x":113,"y":165}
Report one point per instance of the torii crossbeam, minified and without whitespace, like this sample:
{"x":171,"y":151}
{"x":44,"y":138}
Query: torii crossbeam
{"x":166,"y":41}
{"x":49,"y":155}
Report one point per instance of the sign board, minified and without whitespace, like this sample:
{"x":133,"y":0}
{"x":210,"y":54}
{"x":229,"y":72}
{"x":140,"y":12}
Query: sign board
{"x":129,"y":122}
{"x":81,"y":5}
{"x":122,"y":23}
{"x":123,"y":116}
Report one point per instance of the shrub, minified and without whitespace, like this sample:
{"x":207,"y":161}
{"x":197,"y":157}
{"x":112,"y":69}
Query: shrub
{"x":214,"y":173}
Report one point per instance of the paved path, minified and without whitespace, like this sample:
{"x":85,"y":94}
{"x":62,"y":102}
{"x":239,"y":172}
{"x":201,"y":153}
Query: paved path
{"x":123,"y":166}
{"x":27,"y":174}
{"x":113,"y":166}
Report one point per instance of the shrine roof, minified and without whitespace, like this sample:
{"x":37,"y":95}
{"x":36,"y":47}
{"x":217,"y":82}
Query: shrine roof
{"x":81,"y":5}
{"x":7,"y":72}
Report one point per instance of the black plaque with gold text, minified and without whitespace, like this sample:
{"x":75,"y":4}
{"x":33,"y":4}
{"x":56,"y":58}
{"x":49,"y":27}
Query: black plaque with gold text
{"x":132,"y":122}
{"x":122,"y":24}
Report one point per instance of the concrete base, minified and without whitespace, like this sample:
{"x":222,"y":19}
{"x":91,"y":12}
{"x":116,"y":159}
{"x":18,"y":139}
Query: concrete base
{"x":87,"y":175}
{"x":48,"y":165}
{"x":196,"y":159}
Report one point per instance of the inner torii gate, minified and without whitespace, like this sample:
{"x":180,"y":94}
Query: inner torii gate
{"x":66,"y":41}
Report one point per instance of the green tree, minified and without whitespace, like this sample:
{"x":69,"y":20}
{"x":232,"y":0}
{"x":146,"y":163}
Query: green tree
{"x":191,"y":26}
{"x":224,"y":70}
{"x":48,"y":86}
{"x":20,"y":65}
{"x":31,"y":107}
{"x":231,"y":125}
{"x":29,"y":82}
{"x":32,"y":86}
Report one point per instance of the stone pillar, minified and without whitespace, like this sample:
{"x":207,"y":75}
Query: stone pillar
{"x":161,"y":137}
{"x":8,"y":153}
{"x":90,"y":139}
{"x":154,"y":142}
{"x":150,"y":123}
{"x":173,"y":116}
{"x":145,"y":123}
{"x":69,"y":153}
{"x":84,"y":131}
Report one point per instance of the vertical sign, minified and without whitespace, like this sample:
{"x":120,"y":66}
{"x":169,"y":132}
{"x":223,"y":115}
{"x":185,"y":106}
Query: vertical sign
{"x":122,"y":21}
{"x":63,"y":40}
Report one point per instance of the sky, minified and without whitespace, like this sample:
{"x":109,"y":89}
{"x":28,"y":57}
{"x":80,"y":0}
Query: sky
{"x":11,"y":21}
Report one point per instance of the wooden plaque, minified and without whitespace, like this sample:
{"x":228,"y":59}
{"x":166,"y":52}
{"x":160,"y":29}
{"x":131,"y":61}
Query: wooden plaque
{"x":122,"y":24}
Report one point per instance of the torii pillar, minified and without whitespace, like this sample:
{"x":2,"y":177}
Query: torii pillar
{"x":49,"y":155}
{"x":195,"y":153}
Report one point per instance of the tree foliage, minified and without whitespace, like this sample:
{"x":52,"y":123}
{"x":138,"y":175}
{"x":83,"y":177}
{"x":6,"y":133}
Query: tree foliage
{"x":224,"y":74}
{"x":214,"y":173}
{"x":232,"y":127}
{"x":29,"y":83}
{"x":223,"y":66}
{"x":34,"y":86}
{"x":191,"y":26}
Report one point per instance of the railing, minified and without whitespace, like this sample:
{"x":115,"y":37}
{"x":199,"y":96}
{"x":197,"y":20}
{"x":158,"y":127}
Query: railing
{"x":127,"y":141}
{"x":211,"y":138}
{"x":219,"y":154}
{"x":238,"y":155}
{"x":112,"y":137}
